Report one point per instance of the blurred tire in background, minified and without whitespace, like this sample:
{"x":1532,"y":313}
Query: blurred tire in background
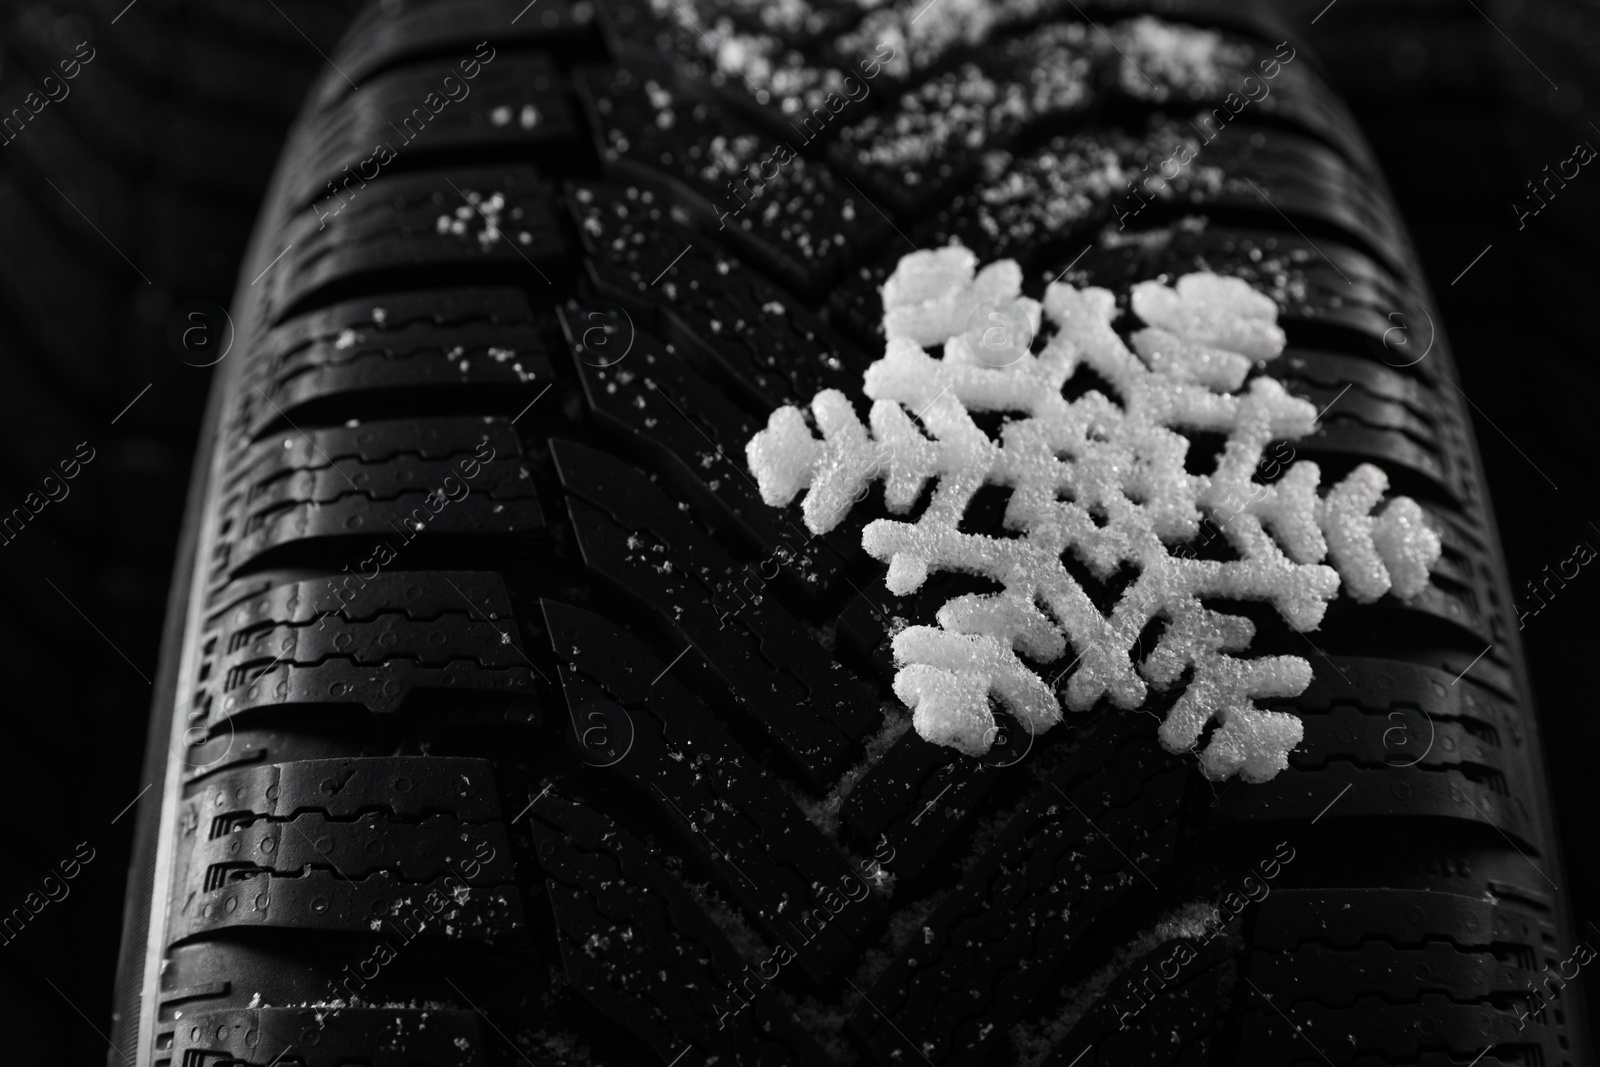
{"x":135,"y":144}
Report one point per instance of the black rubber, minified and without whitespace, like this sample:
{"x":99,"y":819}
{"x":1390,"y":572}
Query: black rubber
{"x":508,"y":725}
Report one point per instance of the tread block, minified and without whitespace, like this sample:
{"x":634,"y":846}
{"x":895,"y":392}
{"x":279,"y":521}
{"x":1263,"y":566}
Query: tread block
{"x":432,"y":1036}
{"x":779,"y":35}
{"x":395,"y":480}
{"x":777,"y":73}
{"x":1403,"y":733}
{"x":726,"y":808}
{"x":1459,"y":608}
{"x":397,"y":33}
{"x":482,"y":223}
{"x":1402,"y":973}
{"x":428,"y":643}
{"x":773,"y":346}
{"x":980,"y":25}
{"x":449,"y":350}
{"x":1345,"y":919}
{"x":1384,"y":395}
{"x":716,"y":164}
{"x":1466,"y":556}
{"x":1306,"y":180}
{"x":1072,"y":849}
{"x":516,"y":105}
{"x":705,"y":453}
{"x":646,"y":953}
{"x":1339,"y":436}
{"x":1301,"y":97}
{"x":1012,"y":207}
{"x":314,"y":641}
{"x":376,"y":442}
{"x":1438,"y":791}
{"x":349,"y":845}
{"x":1474,"y":715}
{"x":418,"y":595}
{"x":1386,"y":398}
{"x":406,"y":787}
{"x":440,"y":910}
{"x":1431,"y":1023}
{"x":1382,"y":684}
{"x":349,"y":683}
{"x":633,"y":535}
{"x":930,"y":141}
{"x":416,"y":852}
{"x":1370,"y":411}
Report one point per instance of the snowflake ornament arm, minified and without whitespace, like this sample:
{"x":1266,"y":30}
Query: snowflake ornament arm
{"x":1103,"y":478}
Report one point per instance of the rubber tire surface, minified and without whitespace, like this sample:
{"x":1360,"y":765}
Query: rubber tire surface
{"x":508,"y":725}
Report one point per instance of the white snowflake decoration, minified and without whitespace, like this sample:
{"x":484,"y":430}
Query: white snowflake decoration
{"x":1106,"y":481}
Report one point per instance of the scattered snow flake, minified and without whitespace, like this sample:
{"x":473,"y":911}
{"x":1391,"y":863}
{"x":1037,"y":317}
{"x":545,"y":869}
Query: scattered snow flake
{"x":1162,"y":60}
{"x":1105,"y":479}
{"x":660,"y":98}
{"x":488,"y":209}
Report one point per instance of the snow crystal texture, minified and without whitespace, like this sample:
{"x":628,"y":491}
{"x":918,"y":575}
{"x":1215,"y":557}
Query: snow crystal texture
{"x":1103,"y":478}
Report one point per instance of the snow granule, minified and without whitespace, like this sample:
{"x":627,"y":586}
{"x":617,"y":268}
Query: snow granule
{"x":1105,"y":479}
{"x":1163,"y":59}
{"x":488,"y":208}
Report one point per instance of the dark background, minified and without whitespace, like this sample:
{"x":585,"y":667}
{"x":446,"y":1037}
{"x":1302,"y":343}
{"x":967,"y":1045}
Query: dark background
{"x":165,"y":143}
